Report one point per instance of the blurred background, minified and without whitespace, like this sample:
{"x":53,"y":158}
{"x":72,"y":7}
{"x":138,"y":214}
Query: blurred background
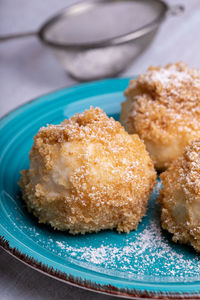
{"x":29,"y":69}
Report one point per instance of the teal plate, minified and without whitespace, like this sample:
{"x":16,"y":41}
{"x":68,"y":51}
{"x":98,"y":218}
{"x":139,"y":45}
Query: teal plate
{"x":144,"y":263}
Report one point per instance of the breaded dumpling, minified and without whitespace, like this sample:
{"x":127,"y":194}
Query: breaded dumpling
{"x":180,"y":197}
{"x":88,"y":174}
{"x":163,"y":107}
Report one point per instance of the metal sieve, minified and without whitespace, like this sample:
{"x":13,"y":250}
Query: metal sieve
{"x":99,"y":38}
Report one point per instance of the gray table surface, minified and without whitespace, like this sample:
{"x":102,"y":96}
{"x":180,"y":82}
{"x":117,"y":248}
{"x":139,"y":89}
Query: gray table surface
{"x":28,"y":69}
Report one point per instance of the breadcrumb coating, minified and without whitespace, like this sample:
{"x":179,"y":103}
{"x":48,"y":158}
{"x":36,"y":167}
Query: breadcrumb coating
{"x":88,"y":174}
{"x":180,"y":197}
{"x":163,"y":107}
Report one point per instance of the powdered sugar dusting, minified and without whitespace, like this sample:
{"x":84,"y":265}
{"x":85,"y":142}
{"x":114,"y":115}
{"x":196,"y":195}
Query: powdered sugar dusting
{"x":163,"y":107}
{"x":145,"y":254}
{"x":166,"y":76}
{"x":148,"y":255}
{"x":173,"y":75}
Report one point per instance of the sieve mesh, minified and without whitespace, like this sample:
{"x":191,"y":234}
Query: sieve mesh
{"x":97,"y":21}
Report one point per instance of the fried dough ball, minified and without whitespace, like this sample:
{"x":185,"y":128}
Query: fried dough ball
{"x":163,"y":107}
{"x":180,"y":197}
{"x":88,"y":174}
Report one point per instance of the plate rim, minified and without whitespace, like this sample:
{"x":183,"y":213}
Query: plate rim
{"x":89,"y":285}
{"x":70,"y":279}
{"x":70,"y":87}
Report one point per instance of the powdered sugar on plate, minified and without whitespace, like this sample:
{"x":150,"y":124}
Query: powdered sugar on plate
{"x":145,"y":254}
{"x":149,"y":255}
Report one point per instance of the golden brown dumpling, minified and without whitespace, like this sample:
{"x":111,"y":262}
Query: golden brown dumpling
{"x":180,"y":197}
{"x":88,"y":174}
{"x":163,"y":107}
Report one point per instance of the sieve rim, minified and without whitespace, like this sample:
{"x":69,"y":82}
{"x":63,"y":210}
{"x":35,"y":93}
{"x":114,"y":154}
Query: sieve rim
{"x":113,"y":41}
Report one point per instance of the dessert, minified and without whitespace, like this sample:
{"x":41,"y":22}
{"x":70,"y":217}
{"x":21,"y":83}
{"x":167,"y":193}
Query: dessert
{"x":88,"y":174}
{"x":163,"y":107}
{"x":180,"y":197}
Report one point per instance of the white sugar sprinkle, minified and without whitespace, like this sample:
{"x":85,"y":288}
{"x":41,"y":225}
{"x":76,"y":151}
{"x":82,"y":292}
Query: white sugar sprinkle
{"x":168,"y":76}
{"x":139,"y":258}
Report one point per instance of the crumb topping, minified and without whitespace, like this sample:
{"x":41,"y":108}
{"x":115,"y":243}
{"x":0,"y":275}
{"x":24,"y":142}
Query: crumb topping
{"x":89,"y":174}
{"x":175,"y":93}
{"x":189,"y":172}
{"x":93,"y":124}
{"x":163,"y":108}
{"x":180,"y":197}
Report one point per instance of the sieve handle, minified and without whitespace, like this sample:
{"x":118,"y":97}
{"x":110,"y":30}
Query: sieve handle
{"x":8,"y":37}
{"x":176,"y":10}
